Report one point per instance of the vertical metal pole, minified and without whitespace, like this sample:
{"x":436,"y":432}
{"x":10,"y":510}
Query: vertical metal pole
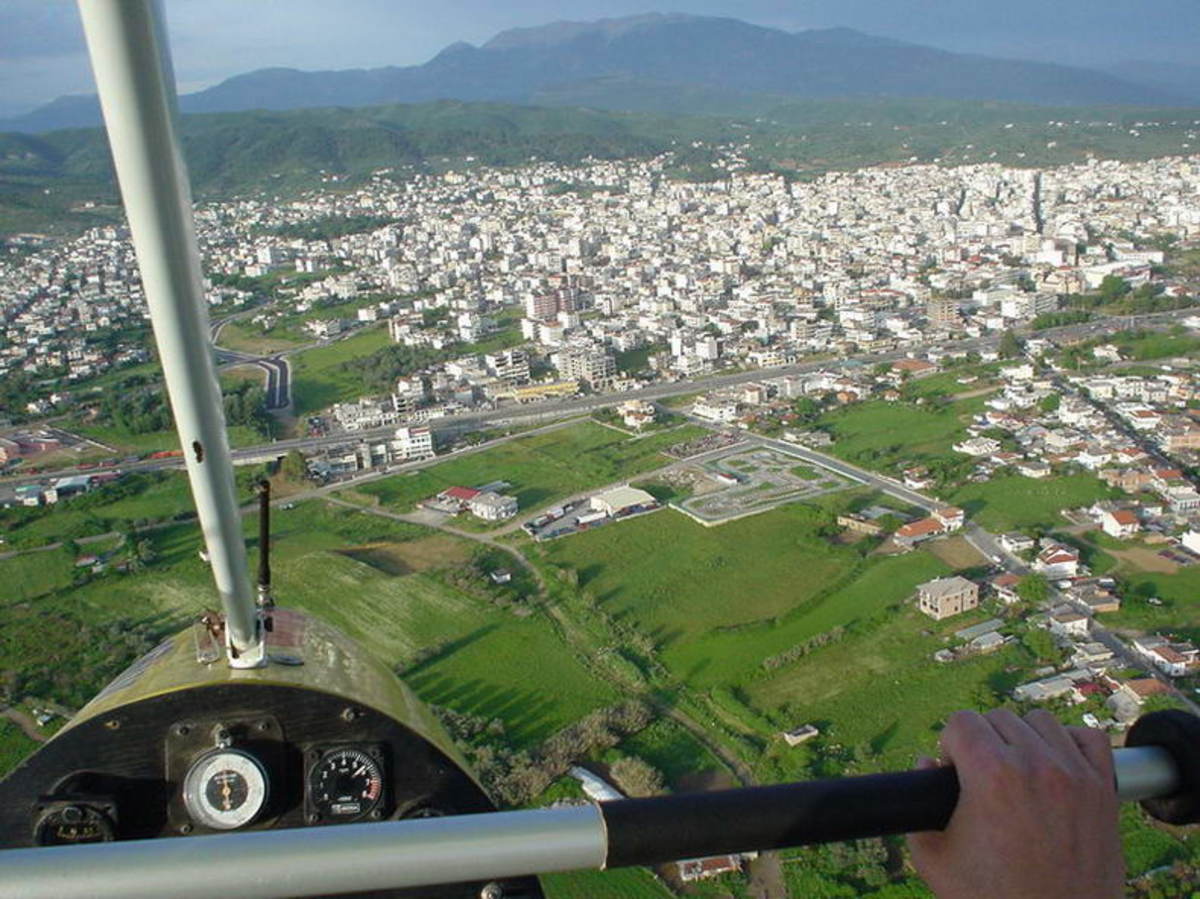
{"x":128,"y":48}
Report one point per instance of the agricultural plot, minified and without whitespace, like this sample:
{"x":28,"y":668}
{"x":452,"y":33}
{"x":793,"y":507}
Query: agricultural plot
{"x":754,"y":481}
{"x":538,"y":469}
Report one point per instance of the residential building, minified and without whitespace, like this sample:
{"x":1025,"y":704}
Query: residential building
{"x":1119,"y":523}
{"x":413,"y":443}
{"x":947,"y":596}
{"x":1057,"y":560}
{"x":492,"y":506}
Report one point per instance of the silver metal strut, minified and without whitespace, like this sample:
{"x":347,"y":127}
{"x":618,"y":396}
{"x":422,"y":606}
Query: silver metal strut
{"x":128,"y":47}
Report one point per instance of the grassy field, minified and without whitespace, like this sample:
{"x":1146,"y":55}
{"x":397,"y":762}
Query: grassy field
{"x":480,"y":652}
{"x":622,"y":883}
{"x":125,"y":441}
{"x":675,"y":752}
{"x":14,"y":746}
{"x":317,"y":379}
{"x":251,"y":339}
{"x":540,"y":468}
{"x":34,"y":574}
{"x":882,"y":435}
{"x":747,"y":571}
{"x":946,"y":383}
{"x":880,"y":692}
{"x":1180,"y":609}
{"x":1012,"y":501}
{"x":858,"y":596}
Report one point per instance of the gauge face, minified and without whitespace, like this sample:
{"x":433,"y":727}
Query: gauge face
{"x":345,"y":785}
{"x":225,"y":789}
{"x":73,"y":824}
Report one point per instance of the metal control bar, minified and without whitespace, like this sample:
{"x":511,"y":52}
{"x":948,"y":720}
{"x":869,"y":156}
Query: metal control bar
{"x":397,"y":854}
{"x":136,"y":84}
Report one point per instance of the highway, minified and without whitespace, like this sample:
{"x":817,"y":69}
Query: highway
{"x":276,"y":367}
{"x":479,"y":419}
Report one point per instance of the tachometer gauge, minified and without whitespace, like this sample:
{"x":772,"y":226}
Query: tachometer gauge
{"x":225,"y":789}
{"x":345,"y":785}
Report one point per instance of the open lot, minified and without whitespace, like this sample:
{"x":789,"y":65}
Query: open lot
{"x":957,"y":552}
{"x":540,"y":469}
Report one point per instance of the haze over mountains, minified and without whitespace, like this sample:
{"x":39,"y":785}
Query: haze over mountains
{"x":678,"y":63}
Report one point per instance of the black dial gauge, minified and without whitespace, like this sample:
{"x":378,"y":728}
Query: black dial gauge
{"x":67,"y":825}
{"x":345,"y":785}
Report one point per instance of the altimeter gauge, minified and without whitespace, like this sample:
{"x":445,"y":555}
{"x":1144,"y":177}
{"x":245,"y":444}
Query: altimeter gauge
{"x":225,"y":789}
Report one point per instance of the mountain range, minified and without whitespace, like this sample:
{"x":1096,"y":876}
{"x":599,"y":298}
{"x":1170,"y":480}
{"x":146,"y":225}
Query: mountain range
{"x":677,"y":63}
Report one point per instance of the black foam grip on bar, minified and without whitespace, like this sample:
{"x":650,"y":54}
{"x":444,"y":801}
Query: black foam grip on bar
{"x":697,"y":825}
{"x":1179,"y":733}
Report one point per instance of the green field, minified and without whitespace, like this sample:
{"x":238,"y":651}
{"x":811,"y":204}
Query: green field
{"x":317,"y":378}
{"x":865,"y":592}
{"x":14,"y":746}
{"x":880,"y":692}
{"x":881,"y":435}
{"x":539,"y":468}
{"x":480,"y":652}
{"x":726,"y":598}
{"x":622,"y":883}
{"x":34,"y":574}
{"x":746,"y":571}
{"x":247,"y":338}
{"x":1009,"y":502}
{"x":1180,"y":609}
{"x":675,"y":752}
{"x":125,"y":441}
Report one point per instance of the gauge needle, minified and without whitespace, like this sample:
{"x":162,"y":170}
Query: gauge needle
{"x":361,"y":769}
{"x":226,"y":792}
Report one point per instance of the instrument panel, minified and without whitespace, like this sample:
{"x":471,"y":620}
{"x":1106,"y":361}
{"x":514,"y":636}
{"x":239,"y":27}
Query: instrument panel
{"x":234,"y":757}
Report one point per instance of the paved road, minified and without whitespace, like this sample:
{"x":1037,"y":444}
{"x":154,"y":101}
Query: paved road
{"x":561,"y":408}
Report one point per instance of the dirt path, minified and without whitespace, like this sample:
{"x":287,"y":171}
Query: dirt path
{"x":27,"y":724}
{"x":487,"y":539}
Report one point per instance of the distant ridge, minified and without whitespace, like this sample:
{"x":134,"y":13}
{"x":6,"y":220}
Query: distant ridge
{"x":695,"y":54}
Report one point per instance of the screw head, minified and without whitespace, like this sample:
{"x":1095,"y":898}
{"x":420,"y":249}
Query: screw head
{"x":185,"y":828}
{"x":492,"y":891}
{"x":113,"y":724}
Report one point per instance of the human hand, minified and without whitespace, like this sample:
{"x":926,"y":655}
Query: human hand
{"x":1036,"y":814}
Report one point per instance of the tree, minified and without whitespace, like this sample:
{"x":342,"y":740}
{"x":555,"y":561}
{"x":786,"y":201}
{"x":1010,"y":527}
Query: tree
{"x":294,"y":468}
{"x":1050,"y":403}
{"x":1113,"y":288}
{"x":636,"y":778}
{"x":1010,"y":345}
{"x":1033,"y":588}
{"x":1041,"y":644}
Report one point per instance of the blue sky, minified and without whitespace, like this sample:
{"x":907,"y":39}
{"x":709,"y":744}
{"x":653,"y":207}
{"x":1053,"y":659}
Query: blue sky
{"x":42,"y":54}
